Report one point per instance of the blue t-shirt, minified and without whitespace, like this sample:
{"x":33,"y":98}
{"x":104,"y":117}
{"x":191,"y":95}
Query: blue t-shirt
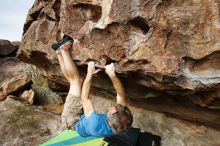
{"x":94,"y":125}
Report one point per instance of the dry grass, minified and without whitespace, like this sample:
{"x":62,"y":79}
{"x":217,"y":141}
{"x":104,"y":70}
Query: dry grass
{"x":57,"y":108}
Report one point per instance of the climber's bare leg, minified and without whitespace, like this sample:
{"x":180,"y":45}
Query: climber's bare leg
{"x":70,"y":66}
{"x":72,"y":107}
{"x":60,"y":59}
{"x":71,"y":71}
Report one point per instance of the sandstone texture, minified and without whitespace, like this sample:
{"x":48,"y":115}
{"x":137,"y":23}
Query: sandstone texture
{"x":16,"y":44}
{"x":7,"y":48}
{"x":28,"y":96}
{"x":13,"y":76}
{"x":166,"y":51}
{"x":16,"y":76}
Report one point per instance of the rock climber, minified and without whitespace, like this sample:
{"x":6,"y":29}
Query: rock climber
{"x":89,"y":122}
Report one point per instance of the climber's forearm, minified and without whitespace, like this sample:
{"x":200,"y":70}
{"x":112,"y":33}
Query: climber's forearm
{"x":121,"y":99}
{"x":86,"y":102}
{"x":86,"y":87}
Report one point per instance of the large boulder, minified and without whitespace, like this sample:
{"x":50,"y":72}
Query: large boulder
{"x":16,"y":44}
{"x":13,"y":76}
{"x":6,"y":48}
{"x":167,"y":52}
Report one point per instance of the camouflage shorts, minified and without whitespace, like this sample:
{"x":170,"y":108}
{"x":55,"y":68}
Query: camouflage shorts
{"x":72,"y":111}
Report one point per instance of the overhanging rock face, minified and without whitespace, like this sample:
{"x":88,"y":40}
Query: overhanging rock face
{"x":167,"y":45}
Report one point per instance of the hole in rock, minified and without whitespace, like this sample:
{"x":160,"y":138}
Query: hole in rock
{"x":140,"y":23}
{"x":90,"y":12}
{"x":109,"y":60}
{"x":140,"y":62}
{"x":56,"y":7}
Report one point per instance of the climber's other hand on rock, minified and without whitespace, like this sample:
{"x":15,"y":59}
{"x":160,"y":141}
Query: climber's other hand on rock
{"x":91,"y":68}
{"x":110,"y":69}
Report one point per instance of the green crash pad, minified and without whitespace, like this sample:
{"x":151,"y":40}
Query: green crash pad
{"x":72,"y":138}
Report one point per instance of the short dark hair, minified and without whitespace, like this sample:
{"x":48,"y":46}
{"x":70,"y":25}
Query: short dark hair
{"x":121,"y":120}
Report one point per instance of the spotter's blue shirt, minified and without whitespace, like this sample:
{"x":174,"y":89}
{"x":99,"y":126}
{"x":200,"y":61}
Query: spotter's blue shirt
{"x":94,"y":125}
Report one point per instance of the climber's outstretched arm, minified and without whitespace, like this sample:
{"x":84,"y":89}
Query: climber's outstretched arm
{"x":86,"y":102}
{"x":120,"y":99}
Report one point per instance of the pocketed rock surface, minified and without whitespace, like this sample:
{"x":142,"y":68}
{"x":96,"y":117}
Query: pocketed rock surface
{"x":171,"y":46}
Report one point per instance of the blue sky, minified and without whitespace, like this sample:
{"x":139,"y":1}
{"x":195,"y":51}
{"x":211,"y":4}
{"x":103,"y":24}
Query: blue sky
{"x":13,"y":14}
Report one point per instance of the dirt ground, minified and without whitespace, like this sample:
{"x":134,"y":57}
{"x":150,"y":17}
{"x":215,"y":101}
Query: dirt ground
{"x":25,"y":125}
